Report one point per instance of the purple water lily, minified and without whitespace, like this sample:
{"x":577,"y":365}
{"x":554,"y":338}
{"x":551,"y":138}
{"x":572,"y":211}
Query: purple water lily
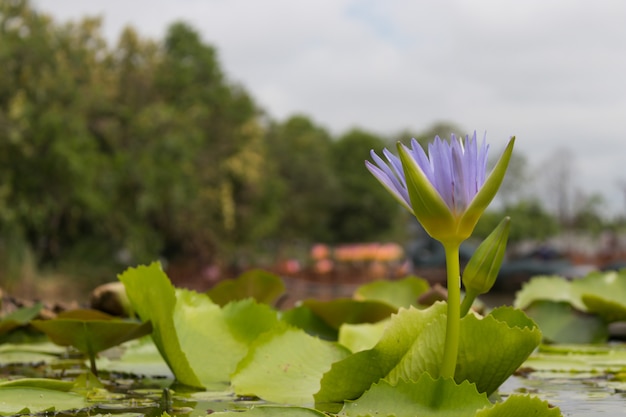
{"x":456,"y":169}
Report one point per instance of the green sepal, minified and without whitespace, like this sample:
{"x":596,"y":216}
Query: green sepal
{"x":428,"y":206}
{"x":482,"y":269}
{"x":486,"y":193}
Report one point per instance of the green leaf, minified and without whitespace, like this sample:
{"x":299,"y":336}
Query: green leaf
{"x":550,"y":288}
{"x":23,"y":400}
{"x":603,"y":294}
{"x":561,"y":323}
{"x":272,"y":411}
{"x":349,"y":378}
{"x":19,"y":317}
{"x":43,"y":383}
{"x":426,"y":397}
{"x":216,"y":339}
{"x":358,"y":337}
{"x":153,"y":298}
{"x":491,"y":349}
{"x":303,"y":318}
{"x":344,"y":310}
{"x":494,"y":347}
{"x":400,"y":293}
{"x":520,"y":406}
{"x":263,"y":286}
{"x":91,"y":331}
{"x":285,"y":365}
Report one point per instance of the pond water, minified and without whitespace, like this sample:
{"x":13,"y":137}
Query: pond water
{"x":125,"y":394}
{"x":577,"y":395}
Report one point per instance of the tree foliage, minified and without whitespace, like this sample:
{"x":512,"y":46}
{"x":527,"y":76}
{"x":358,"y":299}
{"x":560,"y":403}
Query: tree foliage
{"x":145,"y":149}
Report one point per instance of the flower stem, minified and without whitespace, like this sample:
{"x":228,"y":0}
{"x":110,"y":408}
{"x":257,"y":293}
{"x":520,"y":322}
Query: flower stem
{"x":470,"y":296}
{"x":453,"y":321}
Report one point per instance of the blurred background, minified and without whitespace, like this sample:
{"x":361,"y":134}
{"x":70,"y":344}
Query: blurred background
{"x":221,"y":136}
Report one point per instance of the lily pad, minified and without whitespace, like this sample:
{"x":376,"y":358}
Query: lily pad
{"x":303,"y":318}
{"x":285,"y":365}
{"x":91,"y":331}
{"x":491,"y":349}
{"x":153,"y":298}
{"x":215,"y":339}
{"x":363,"y":336}
{"x":349,"y":378}
{"x":548,"y":288}
{"x":561,"y":323}
{"x":344,"y":310}
{"x":19,"y":317}
{"x":520,"y":406}
{"x":30,"y":400}
{"x":603,"y":293}
{"x":272,"y":411}
{"x":400,"y":293}
{"x":426,"y":397}
{"x":262,"y":286}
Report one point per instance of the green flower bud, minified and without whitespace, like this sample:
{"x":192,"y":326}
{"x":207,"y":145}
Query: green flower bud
{"x":482,"y":269}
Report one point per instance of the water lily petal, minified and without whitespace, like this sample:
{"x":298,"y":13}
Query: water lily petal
{"x":486,"y":193}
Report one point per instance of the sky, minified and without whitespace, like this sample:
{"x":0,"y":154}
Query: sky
{"x":552,"y":73}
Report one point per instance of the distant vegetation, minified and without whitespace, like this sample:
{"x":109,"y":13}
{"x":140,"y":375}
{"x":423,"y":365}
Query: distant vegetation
{"x":118,"y":155}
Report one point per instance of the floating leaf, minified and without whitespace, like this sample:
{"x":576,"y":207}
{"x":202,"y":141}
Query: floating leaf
{"x":19,"y":317}
{"x":153,"y":298}
{"x":550,"y":288}
{"x":91,"y":331}
{"x":491,"y":349}
{"x":31,"y":400}
{"x":43,"y":383}
{"x":604,"y":294}
{"x":303,"y":318}
{"x":494,"y":347}
{"x":426,"y":397}
{"x":560,"y":323}
{"x":216,"y":339}
{"x":400,"y":293}
{"x":345,"y":310}
{"x":272,"y":411}
{"x":520,"y":406}
{"x":263,"y":286}
{"x":349,"y":378}
{"x":285,"y":365}
{"x":358,"y":337}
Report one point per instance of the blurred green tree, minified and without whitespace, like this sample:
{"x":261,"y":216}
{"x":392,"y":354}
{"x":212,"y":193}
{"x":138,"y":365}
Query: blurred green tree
{"x":362,"y":210}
